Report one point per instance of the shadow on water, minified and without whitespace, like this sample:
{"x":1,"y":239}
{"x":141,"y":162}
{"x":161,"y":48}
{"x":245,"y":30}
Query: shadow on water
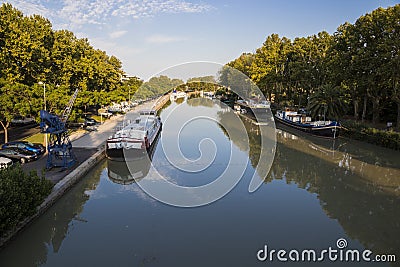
{"x":54,"y":226}
{"x":364,"y":198}
{"x":128,"y":172}
{"x":357,"y":184}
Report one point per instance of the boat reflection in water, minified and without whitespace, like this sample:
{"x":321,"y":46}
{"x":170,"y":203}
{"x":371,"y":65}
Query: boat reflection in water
{"x":132,"y":171}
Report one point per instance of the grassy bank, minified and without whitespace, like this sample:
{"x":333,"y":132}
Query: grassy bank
{"x":360,"y":131}
{"x":40,"y":137}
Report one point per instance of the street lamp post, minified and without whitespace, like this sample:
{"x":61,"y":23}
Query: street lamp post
{"x":44,"y":99}
{"x":44,"y":93}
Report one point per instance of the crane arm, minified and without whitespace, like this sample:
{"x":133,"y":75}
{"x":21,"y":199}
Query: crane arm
{"x":68,"y":108}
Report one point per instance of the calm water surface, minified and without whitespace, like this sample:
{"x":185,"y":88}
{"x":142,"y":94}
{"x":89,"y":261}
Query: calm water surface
{"x":316,"y":192}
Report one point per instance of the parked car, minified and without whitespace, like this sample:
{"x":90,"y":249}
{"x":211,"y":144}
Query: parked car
{"x":90,"y":121}
{"x":75,"y":125}
{"x":24,"y":145}
{"x":21,"y":120}
{"x":17,"y":154}
{"x":5,"y":163}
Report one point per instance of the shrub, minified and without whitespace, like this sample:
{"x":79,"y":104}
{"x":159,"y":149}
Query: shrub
{"x":20,"y":195}
{"x":359,"y":131}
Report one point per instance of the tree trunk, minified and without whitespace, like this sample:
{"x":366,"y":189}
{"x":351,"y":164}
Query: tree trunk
{"x":398,"y":116}
{"x":5,"y":127}
{"x":375,"y":110}
{"x":364,"y":113}
{"x":355,"y":103}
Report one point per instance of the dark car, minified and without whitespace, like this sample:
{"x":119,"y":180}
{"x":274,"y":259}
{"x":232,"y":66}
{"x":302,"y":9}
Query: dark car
{"x":17,"y":154}
{"x":21,"y":120}
{"x":24,"y":145}
{"x":90,"y":121}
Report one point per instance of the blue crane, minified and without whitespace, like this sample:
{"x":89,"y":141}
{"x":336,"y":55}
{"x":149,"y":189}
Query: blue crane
{"x":59,"y":147}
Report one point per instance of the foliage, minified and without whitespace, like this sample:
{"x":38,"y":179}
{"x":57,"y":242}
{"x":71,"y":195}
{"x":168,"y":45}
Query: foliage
{"x":157,"y":86}
{"x":20,"y":195}
{"x":360,"y":131}
{"x":237,"y":81}
{"x":206,"y":83}
{"x":361,"y":61}
{"x":32,"y":52}
{"x":327,"y":102}
{"x":15,"y":100}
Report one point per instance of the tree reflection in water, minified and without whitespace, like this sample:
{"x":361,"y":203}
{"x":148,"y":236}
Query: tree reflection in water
{"x":54,"y":225}
{"x":357,"y":184}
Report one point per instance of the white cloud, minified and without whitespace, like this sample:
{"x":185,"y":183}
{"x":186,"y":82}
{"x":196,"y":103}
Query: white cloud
{"x":138,"y":9}
{"x":117,"y":34}
{"x":114,"y":48}
{"x":162,"y":39}
{"x":30,"y":7}
{"x":75,"y":13}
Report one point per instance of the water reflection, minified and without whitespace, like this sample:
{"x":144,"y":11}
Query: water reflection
{"x":48,"y":232}
{"x":364,"y":198}
{"x":132,"y":171}
{"x":258,"y":137}
{"x":316,"y":192}
{"x":357,"y":184}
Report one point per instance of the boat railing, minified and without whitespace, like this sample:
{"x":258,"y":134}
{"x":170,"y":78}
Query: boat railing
{"x":321,"y":123}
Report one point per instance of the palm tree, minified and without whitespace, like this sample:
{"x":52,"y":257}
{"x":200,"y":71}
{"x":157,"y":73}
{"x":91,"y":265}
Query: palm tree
{"x":327,"y":101}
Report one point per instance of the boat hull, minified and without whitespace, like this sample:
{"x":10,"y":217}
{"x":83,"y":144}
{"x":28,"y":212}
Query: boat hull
{"x":255,"y":111}
{"x":327,"y":131}
{"x":121,"y":154}
{"x":124,"y":154}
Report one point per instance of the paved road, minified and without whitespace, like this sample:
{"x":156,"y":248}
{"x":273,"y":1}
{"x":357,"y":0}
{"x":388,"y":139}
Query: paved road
{"x":56,"y":174}
{"x":84,"y":145}
{"x":97,"y":138}
{"x":18,"y":133}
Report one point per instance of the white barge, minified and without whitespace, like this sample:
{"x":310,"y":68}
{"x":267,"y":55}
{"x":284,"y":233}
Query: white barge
{"x":134,"y":140}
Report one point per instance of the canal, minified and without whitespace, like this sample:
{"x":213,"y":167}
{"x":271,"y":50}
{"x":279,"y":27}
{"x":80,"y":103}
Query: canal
{"x":317,"y":191}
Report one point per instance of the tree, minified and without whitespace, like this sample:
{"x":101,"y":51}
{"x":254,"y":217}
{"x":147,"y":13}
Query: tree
{"x":237,"y":81}
{"x":344,"y":69}
{"x":269,"y":66}
{"x":392,"y":44}
{"x":328,"y":102}
{"x":160,"y":85}
{"x":206,"y":83}
{"x":13,"y":101}
{"x":308,"y":64}
{"x":31,"y":52}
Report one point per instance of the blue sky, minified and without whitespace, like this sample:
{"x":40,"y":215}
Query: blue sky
{"x":149,"y":36}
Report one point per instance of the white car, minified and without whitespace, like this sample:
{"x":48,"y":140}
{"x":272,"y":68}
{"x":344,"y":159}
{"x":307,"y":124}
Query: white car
{"x":5,"y":163}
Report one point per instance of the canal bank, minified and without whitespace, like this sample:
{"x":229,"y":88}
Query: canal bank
{"x":89,"y":149}
{"x":313,"y":197}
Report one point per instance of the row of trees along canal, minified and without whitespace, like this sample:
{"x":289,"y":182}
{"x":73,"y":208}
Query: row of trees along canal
{"x":337,"y":74}
{"x":334,"y":74}
{"x":33,"y":54}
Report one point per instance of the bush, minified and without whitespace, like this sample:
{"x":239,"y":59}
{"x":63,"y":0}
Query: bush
{"x":20,"y":195}
{"x":378,"y":137}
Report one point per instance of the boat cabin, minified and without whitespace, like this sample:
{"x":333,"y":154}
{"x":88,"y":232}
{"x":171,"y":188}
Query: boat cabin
{"x":293,"y":116}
